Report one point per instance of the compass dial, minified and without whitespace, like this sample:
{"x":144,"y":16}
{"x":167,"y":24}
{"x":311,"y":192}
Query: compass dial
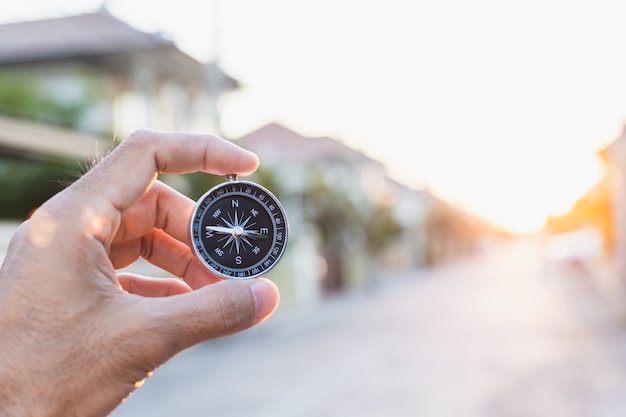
{"x":239,"y":230}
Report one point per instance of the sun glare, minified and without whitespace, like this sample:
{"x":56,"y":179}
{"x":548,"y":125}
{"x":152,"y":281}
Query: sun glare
{"x":526,"y":205}
{"x":509,"y":134}
{"x":516,"y":192}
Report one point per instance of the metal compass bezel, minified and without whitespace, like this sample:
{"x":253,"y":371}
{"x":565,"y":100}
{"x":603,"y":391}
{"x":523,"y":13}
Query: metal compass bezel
{"x":273,"y":210}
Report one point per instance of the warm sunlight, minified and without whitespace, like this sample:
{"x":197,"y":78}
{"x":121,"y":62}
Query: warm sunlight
{"x":482,"y":111}
{"x":514,"y":189}
{"x":445,"y":179}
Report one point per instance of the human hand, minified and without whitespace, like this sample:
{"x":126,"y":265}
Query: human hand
{"x":76,"y":338}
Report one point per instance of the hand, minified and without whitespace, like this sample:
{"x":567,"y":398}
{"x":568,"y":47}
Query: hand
{"x":76,"y":338}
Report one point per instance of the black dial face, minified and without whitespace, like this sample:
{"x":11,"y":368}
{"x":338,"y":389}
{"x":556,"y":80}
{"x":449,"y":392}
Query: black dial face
{"x":239,"y":230}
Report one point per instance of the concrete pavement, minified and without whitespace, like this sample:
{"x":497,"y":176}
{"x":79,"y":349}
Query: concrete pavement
{"x":500,"y":335}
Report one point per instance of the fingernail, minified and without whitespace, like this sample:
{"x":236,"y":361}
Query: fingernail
{"x":265,"y":297}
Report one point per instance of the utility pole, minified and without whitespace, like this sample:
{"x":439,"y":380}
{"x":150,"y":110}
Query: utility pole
{"x":215,"y":76}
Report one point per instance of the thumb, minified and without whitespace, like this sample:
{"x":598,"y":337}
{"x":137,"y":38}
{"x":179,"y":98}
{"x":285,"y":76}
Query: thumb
{"x":213,"y":311}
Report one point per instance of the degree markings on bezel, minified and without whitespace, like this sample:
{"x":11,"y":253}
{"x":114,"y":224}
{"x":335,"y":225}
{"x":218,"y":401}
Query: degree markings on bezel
{"x":276,"y":238}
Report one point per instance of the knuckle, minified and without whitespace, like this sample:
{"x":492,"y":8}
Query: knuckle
{"x":145,"y":142}
{"x":141,"y":137}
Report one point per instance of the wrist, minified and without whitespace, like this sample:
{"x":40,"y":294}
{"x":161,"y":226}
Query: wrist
{"x":21,"y":392}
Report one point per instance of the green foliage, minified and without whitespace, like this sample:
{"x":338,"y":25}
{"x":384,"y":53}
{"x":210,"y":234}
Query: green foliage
{"x":382,"y":227}
{"x":198,"y":183}
{"x":335,"y":215}
{"x":267,"y":178}
{"x":24,"y":97}
{"x":27,"y":183}
{"x":331,"y":212}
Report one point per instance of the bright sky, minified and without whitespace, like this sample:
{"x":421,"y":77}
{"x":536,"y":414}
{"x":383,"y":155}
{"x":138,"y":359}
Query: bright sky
{"x":498,"y":106}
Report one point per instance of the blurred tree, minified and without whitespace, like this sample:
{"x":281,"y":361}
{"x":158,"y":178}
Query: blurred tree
{"x":268,"y":178}
{"x":381,"y":228}
{"x":197,"y":183}
{"x":24,"y":97}
{"x":26,"y":182}
{"x":340,"y":223}
{"x":452,"y":232}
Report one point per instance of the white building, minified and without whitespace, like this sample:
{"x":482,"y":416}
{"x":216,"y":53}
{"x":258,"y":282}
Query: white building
{"x":312,"y":170}
{"x":131,"y":79}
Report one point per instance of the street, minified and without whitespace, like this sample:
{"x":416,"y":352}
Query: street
{"x":497,"y":335}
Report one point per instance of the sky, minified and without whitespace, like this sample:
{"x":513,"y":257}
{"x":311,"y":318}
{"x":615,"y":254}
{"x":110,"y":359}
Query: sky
{"x":498,"y":106}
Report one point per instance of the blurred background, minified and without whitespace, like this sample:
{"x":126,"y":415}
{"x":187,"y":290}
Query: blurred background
{"x":454,"y":174}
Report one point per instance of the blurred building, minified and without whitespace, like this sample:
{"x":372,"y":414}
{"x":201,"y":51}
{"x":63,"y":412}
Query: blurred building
{"x":600,"y":212}
{"x":614,"y":187}
{"x":347,"y":217}
{"x":122,"y":78}
{"x":103,"y":78}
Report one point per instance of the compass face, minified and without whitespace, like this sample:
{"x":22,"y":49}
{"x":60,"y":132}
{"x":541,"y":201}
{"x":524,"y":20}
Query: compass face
{"x":239,"y":230}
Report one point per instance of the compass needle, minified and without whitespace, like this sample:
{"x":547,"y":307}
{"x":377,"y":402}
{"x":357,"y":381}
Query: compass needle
{"x":246,"y":222}
{"x":220,"y":229}
{"x":237,"y":243}
{"x":230,"y":223}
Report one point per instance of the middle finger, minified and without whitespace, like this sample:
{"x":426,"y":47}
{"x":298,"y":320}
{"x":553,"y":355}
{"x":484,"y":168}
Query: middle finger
{"x":165,"y":252}
{"x":161,"y":207}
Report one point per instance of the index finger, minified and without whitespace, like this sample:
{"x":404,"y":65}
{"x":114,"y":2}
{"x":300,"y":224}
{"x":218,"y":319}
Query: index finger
{"x":126,"y":174}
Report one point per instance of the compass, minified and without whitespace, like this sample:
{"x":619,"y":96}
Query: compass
{"x":239,"y":229}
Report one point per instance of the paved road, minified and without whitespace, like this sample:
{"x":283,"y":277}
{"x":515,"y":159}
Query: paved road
{"x":495,"y":336}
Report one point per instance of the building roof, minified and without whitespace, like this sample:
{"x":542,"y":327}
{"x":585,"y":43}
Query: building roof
{"x":275,"y":138}
{"x":102,"y":39}
{"x":98,"y":40}
{"x":86,"y":34}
